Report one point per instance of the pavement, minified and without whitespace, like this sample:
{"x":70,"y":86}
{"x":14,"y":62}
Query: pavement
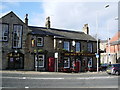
{"x":38,"y":72}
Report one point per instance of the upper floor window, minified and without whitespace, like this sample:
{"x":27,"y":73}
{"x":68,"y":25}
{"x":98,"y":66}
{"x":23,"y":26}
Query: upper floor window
{"x":77,"y":46}
{"x":5,"y":29}
{"x":67,"y":45}
{"x":33,"y":43}
{"x":90,"y":47}
{"x":40,"y":41}
{"x":17,"y":36}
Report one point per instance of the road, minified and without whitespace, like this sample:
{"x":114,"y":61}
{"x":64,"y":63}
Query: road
{"x":58,"y":80}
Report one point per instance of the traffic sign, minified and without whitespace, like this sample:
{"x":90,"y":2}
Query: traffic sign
{"x":97,"y":56}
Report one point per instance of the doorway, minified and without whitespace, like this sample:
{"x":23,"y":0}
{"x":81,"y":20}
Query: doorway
{"x":15,"y":60}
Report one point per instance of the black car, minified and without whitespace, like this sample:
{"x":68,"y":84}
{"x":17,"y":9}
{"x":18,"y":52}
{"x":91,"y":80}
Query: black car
{"x":113,"y":69}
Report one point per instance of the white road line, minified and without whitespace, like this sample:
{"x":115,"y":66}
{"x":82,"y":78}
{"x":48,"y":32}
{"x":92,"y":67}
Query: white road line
{"x":46,"y":78}
{"x":26,"y":87}
{"x":32,"y":78}
{"x":95,"y":77}
{"x":77,"y":78}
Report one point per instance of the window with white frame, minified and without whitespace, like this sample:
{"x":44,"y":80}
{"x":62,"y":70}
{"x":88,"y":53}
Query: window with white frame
{"x":77,"y":46}
{"x":5,"y":29}
{"x":89,"y":62}
{"x":67,"y":45}
{"x":90,"y":47}
{"x":39,"y":41}
{"x":40,"y":61}
{"x":17,"y":36}
{"x":66,"y":62}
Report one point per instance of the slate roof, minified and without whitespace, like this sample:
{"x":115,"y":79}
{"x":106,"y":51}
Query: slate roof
{"x":60,"y":33}
{"x":39,"y":31}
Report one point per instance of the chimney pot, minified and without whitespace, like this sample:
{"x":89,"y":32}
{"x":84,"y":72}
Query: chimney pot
{"x":86,"y":29}
{"x":26,"y":19}
{"x":47,"y":24}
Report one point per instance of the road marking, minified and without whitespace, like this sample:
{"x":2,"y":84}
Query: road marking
{"x":32,"y":78}
{"x":105,"y":77}
{"x":26,"y":87}
{"x":46,"y":78}
{"x":42,"y":78}
{"x":24,"y":77}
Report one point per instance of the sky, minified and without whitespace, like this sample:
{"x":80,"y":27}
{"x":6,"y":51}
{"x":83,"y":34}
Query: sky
{"x":70,"y":15}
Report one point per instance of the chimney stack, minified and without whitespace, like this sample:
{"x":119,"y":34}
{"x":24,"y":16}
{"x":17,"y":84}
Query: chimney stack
{"x":26,"y":19}
{"x":86,"y":29}
{"x":47,"y":24}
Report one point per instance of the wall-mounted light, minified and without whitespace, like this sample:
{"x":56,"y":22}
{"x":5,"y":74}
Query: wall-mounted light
{"x":73,"y":43}
{"x":60,"y":41}
{"x":15,"y":51}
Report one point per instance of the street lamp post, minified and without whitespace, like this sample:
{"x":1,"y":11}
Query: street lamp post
{"x":97,"y":41}
{"x":97,"y":54}
{"x":107,"y":6}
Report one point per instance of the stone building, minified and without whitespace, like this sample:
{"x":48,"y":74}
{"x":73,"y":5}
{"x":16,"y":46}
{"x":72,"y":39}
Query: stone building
{"x":31,"y":48}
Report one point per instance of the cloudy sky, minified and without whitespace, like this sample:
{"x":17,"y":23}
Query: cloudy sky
{"x":70,"y":15}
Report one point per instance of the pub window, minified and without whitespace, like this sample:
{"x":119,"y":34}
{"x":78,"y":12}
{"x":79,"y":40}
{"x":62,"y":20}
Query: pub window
{"x":17,"y":36}
{"x":40,"y":41}
{"x":89,"y":62}
{"x":90,"y":47}
{"x":77,"y":46}
{"x":5,"y":29}
{"x":66,"y":62}
{"x":33,"y":42}
{"x":40,"y":61}
{"x":67,"y":45}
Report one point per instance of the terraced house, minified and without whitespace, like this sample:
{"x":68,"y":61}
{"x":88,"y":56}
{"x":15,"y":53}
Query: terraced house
{"x":44,"y":48}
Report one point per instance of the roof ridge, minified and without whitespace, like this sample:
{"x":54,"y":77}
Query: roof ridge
{"x":58,"y":29}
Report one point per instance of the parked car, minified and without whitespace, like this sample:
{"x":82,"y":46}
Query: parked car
{"x":103,"y":67}
{"x":113,"y":69}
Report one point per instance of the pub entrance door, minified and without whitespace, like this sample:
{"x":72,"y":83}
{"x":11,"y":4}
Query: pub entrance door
{"x":15,"y":60}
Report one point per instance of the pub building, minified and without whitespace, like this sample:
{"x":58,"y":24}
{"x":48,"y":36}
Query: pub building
{"x":27,"y":47}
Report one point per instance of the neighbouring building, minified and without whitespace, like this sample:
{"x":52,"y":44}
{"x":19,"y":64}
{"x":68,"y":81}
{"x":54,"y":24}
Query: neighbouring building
{"x":112,"y":50}
{"x":44,"y":48}
{"x":103,"y":56}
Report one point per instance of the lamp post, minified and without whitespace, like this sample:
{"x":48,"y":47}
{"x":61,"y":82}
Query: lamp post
{"x":97,"y":41}
{"x":97,"y":54}
{"x":107,"y":6}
